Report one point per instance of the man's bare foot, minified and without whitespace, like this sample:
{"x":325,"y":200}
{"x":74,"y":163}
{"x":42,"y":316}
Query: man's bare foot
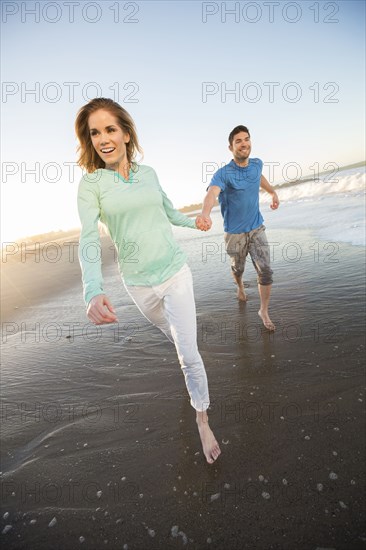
{"x":241,"y":294}
{"x":266,"y":320}
{"x":211,"y":448}
{"x":242,"y":297}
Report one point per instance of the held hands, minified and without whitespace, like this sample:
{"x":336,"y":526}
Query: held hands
{"x":203,"y":223}
{"x":100,"y":310}
{"x":275,"y":201}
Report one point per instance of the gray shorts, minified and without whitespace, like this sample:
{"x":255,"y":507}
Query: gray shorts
{"x":238,"y":245}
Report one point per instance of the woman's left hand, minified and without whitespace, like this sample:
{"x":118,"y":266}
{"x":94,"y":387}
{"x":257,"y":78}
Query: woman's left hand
{"x":203,"y":223}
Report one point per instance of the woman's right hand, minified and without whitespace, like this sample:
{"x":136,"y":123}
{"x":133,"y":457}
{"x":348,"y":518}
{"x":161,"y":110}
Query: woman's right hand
{"x":100,"y":310}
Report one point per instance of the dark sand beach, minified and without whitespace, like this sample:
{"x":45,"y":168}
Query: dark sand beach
{"x":99,"y":443}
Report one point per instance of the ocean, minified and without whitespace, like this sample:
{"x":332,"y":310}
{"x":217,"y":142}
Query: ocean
{"x":333,"y":207}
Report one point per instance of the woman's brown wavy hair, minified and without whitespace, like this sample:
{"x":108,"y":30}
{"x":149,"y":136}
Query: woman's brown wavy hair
{"x":88,"y":157}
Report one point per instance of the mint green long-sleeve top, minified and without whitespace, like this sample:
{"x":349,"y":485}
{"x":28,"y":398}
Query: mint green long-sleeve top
{"x":138,"y":215}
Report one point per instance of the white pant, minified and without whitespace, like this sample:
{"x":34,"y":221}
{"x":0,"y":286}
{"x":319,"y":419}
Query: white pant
{"x":170,"y":306}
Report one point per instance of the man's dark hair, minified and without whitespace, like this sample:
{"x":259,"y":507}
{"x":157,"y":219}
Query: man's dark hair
{"x":237,"y":130}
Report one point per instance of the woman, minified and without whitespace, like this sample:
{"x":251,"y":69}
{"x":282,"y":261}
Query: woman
{"x":128,"y":199}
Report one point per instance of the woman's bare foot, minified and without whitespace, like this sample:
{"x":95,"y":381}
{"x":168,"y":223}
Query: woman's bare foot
{"x":211,"y":448}
{"x":266,"y":320}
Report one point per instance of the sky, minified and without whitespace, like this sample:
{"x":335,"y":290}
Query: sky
{"x":187,"y":72}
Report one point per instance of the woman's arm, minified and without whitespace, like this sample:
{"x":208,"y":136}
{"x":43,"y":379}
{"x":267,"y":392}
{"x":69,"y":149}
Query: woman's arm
{"x":178,"y":218}
{"x":99,"y":309}
{"x":174,"y":216}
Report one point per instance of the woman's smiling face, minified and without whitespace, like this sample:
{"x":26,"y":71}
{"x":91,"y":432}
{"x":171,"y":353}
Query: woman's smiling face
{"x":108,"y":139}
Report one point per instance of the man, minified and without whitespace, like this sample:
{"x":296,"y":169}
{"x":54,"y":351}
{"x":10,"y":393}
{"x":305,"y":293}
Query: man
{"x":237,"y":187}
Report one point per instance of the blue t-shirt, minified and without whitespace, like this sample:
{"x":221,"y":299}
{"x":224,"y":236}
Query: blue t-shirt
{"x":239,"y":197}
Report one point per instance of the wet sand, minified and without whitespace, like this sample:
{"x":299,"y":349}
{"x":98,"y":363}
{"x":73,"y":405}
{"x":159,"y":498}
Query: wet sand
{"x":99,"y":443}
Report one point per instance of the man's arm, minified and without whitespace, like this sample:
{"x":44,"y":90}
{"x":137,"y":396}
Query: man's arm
{"x":208,"y":203}
{"x":268,"y":187}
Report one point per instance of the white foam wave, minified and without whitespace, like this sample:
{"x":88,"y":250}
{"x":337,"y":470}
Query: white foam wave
{"x":346,"y":181}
